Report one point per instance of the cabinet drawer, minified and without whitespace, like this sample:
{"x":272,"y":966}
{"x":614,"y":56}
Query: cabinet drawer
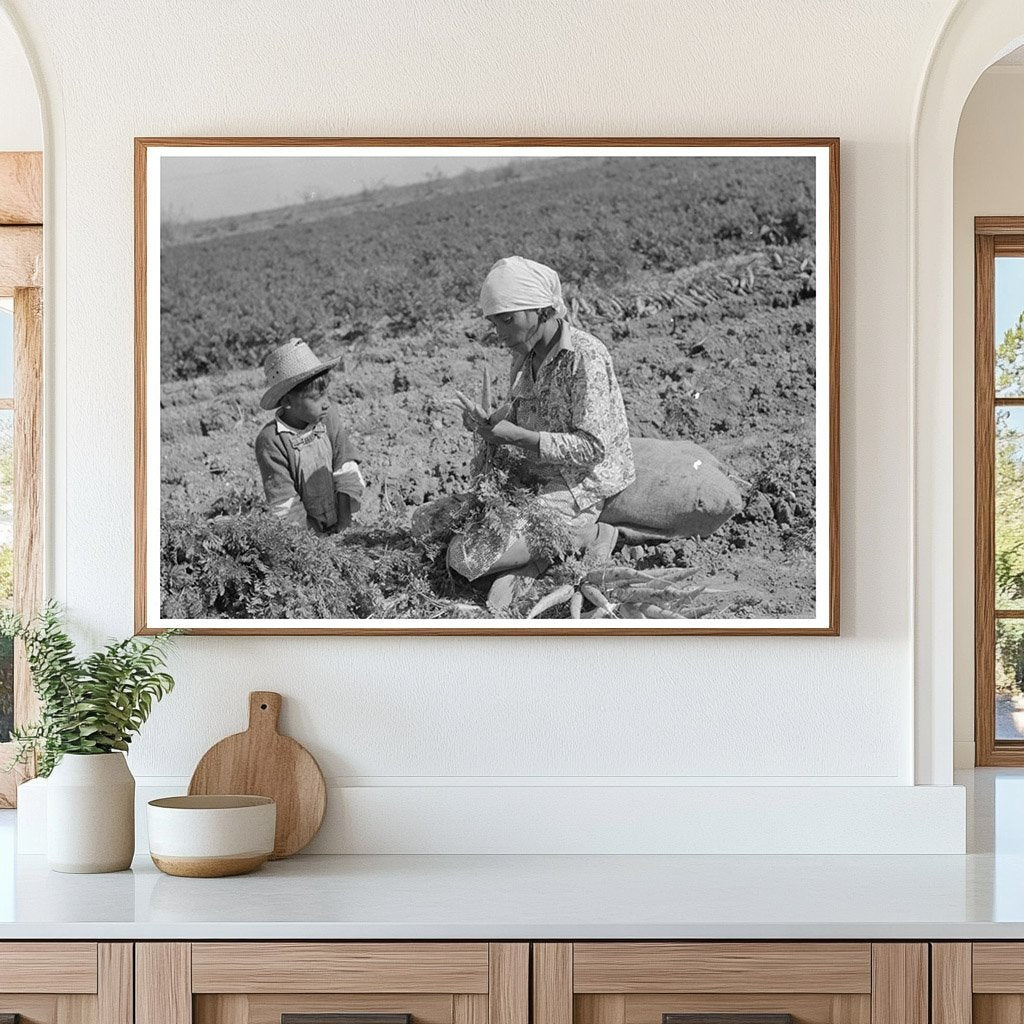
{"x":998,"y":967}
{"x":752,"y":967}
{"x":980,"y":982}
{"x":340,"y":967}
{"x":332,"y":983}
{"x":66,"y":982}
{"x":65,"y":967}
{"x":642,"y":982}
{"x":730,"y":983}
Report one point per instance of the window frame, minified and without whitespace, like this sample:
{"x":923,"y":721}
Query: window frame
{"x":993,"y":237}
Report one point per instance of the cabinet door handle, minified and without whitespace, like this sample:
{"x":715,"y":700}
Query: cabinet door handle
{"x":339,"y":1018}
{"x":727,"y":1018}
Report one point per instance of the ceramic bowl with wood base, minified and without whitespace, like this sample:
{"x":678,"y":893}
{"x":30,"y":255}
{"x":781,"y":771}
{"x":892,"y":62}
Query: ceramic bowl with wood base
{"x":211,"y":836}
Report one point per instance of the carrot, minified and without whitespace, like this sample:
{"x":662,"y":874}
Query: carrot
{"x":653,"y":611}
{"x":643,"y":592}
{"x":596,"y":613}
{"x":659,"y":592}
{"x":636,"y":595}
{"x":471,"y":407}
{"x":575,"y":605}
{"x":641,"y":581}
{"x":616,"y":575}
{"x":648,"y":611}
{"x":485,"y":394}
{"x":673,"y":574}
{"x":697,"y":611}
{"x":631,"y":611}
{"x":557,"y":596}
{"x":615,"y":572}
{"x":596,"y":598}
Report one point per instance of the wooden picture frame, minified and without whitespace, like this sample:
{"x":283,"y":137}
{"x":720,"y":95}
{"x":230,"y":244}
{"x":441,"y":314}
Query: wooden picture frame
{"x":729,"y":225}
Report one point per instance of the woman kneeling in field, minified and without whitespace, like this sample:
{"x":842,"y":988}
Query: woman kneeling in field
{"x":565,"y":419}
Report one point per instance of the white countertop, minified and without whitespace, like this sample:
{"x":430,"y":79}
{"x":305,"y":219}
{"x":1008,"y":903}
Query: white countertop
{"x":544,"y":897}
{"x":976,"y":896}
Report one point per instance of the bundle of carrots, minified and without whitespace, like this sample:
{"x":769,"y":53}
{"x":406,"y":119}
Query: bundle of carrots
{"x":620,"y":592}
{"x":482,"y":412}
{"x":616,"y":592}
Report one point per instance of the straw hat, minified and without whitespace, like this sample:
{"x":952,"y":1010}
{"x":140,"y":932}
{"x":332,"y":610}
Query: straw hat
{"x":289,"y":366}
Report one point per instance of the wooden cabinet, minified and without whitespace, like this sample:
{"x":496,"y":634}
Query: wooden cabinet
{"x":66,"y":982}
{"x":978,"y":983}
{"x":499,"y":983}
{"x":758,"y":982}
{"x":264,"y":982}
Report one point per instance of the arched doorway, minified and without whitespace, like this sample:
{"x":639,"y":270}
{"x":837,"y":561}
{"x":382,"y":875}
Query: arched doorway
{"x":977,"y":33}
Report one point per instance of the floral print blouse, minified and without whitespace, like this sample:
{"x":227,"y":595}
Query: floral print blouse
{"x":576,"y":406}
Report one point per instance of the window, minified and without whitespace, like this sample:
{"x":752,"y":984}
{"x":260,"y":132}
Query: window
{"x":999,"y":490}
{"x":21,"y":335}
{"x":6,"y":511}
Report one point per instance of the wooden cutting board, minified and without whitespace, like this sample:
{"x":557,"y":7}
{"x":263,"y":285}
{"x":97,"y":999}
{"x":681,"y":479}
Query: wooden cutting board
{"x":262,"y":762}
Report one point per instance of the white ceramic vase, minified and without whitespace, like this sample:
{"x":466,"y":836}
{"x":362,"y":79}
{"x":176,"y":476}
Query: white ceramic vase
{"x":90,"y":814}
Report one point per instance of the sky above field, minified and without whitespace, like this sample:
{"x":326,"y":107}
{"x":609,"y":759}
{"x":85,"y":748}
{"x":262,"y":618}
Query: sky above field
{"x":1009,"y":293}
{"x":198,"y":188}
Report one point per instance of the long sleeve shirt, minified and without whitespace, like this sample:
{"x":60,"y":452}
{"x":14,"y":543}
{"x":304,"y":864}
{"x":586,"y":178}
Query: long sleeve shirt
{"x":303,"y":471}
{"x":575,"y":405}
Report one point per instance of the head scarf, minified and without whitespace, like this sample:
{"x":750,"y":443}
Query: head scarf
{"x":517,"y":283}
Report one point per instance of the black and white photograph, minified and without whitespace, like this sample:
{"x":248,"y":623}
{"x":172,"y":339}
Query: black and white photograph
{"x":457,"y":386}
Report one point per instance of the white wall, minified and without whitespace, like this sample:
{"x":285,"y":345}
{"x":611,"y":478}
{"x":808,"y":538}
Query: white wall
{"x":21,"y":127}
{"x":987,"y":182}
{"x":428,"y":716}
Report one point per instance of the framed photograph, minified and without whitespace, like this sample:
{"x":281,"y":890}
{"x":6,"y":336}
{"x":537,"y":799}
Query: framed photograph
{"x":500,"y":386}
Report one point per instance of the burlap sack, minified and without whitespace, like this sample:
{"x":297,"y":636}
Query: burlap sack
{"x":681,"y":490}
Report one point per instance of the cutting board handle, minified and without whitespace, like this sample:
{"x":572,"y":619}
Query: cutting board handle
{"x":264,"y":710}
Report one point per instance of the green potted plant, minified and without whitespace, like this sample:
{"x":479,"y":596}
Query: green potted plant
{"x":90,"y":708}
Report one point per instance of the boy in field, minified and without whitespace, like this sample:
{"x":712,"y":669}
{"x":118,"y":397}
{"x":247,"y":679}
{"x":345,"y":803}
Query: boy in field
{"x":310,"y":473}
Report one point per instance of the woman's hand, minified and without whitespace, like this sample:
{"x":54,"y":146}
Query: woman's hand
{"x":494,"y":428}
{"x":473,"y":416}
{"x":502,"y":432}
{"x":507,"y":432}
